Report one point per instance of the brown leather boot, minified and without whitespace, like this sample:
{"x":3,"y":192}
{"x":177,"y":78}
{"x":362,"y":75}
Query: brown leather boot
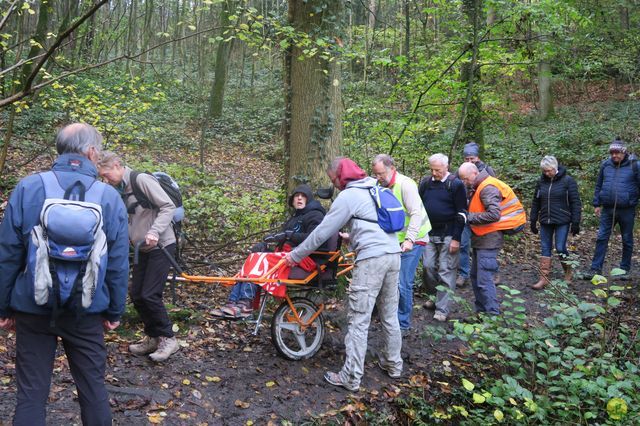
{"x":568,"y":272}
{"x":545,"y":268}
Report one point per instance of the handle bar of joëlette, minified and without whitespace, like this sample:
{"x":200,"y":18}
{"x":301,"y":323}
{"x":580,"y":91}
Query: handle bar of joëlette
{"x":172,"y":260}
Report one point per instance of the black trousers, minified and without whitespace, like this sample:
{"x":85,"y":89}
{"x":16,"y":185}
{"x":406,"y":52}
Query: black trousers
{"x":147,"y":286}
{"x":83,"y":341}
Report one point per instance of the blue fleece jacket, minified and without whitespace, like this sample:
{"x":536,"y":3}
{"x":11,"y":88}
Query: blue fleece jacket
{"x":23,"y":213}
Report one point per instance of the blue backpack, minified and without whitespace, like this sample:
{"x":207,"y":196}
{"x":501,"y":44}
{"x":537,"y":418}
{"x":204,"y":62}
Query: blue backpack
{"x":390,"y":212}
{"x":67,"y":250}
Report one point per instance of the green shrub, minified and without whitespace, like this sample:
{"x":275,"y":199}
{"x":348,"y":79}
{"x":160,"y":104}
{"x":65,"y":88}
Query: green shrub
{"x":577,"y":366}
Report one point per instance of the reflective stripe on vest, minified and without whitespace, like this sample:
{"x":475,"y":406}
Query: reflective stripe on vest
{"x":425,"y":226}
{"x":512,"y":213}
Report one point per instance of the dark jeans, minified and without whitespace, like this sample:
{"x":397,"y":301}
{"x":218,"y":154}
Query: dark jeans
{"x":83,"y":341}
{"x":483,"y":266}
{"x":147,"y":286}
{"x":546,"y":239}
{"x":624,"y":218}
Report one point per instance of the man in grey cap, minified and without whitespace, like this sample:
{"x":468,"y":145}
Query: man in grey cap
{"x":471,"y":154}
{"x":615,"y":200}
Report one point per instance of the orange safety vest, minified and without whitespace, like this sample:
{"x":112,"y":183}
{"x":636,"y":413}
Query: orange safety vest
{"x":512,"y":213}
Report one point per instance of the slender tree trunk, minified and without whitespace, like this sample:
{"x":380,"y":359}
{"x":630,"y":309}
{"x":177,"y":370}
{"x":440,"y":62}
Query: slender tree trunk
{"x":544,"y":90}
{"x":470,"y":124}
{"x":222,"y":62}
{"x":407,"y":29}
{"x":313,"y":128}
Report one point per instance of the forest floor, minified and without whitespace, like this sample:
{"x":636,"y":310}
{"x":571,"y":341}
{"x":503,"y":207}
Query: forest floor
{"x":225,"y":375}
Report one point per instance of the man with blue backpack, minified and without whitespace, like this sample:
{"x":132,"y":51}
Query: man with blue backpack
{"x":414,"y":235}
{"x":63,"y":274}
{"x":151,"y":213}
{"x":377,"y":265}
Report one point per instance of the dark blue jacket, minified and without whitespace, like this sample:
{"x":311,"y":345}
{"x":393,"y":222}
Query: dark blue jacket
{"x":444,"y":201}
{"x":23,"y":213}
{"x":556,"y":200}
{"x":618,"y":184}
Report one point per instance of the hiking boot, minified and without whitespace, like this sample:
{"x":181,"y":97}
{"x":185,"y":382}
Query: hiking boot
{"x":166,"y":347}
{"x":388,"y":370}
{"x":545,"y":268}
{"x":144,"y":346}
{"x":439,"y":316}
{"x":461,"y":281}
{"x":568,"y":272}
{"x":334,"y":379}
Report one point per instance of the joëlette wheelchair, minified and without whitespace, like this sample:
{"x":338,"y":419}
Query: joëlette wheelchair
{"x":297,"y":326}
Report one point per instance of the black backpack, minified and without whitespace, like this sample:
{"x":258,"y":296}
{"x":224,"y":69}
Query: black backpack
{"x":172,"y":189}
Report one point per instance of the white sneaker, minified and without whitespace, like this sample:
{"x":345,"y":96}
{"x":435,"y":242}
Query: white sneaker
{"x":439,"y":316}
{"x":166,"y":347}
{"x":144,"y":346}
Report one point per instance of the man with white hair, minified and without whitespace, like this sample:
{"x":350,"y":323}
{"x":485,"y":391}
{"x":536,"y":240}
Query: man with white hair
{"x":40,"y":323}
{"x":493,"y":209}
{"x":413,"y":237}
{"x":445,"y":199}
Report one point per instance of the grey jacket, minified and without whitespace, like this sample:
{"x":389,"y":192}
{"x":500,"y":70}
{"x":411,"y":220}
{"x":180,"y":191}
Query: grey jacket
{"x":490,"y":198}
{"x":367,"y":239}
{"x":153,"y":221}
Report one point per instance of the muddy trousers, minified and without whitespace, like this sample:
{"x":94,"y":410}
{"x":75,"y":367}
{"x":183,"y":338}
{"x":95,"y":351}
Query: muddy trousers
{"x":373,"y":278}
{"x":83,"y":342}
{"x":147,"y":285}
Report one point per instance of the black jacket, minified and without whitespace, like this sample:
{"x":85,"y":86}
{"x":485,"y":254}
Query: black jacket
{"x":556,"y":200}
{"x":305,"y":220}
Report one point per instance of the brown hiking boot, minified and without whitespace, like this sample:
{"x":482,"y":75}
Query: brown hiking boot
{"x":461,"y":281}
{"x":144,"y":346}
{"x":568,"y":272}
{"x":545,"y":268}
{"x":166,"y":347}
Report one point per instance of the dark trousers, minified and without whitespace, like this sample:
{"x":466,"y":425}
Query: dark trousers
{"x":625,"y":219}
{"x":83,"y":341}
{"x":147,"y":286}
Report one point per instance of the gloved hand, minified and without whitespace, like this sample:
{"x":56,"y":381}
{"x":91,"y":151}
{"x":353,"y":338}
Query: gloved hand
{"x":534,"y":228}
{"x":575,"y":228}
{"x":275,"y":238}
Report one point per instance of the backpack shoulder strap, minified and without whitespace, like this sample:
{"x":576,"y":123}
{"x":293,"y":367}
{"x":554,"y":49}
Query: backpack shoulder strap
{"x":141,"y":199}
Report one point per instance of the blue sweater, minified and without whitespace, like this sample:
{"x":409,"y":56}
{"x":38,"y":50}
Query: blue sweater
{"x":444,"y":201}
{"x":23,"y":213}
{"x":617,"y":184}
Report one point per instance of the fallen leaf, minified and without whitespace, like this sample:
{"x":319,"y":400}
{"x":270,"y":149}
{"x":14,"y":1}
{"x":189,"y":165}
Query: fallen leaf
{"x":186,"y":382}
{"x":214,"y":379}
{"x":241,"y":404}
{"x":270,"y":384}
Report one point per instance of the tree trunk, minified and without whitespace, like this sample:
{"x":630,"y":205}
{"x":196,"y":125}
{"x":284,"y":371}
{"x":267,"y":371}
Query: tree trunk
{"x":407,"y":29}
{"x":313,"y":127}
{"x":470,"y":125}
{"x":222,"y":63}
{"x":544,"y":90}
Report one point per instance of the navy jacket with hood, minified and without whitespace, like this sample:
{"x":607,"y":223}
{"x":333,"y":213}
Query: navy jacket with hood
{"x":23,"y":213}
{"x":556,"y":200}
{"x":618,"y":184}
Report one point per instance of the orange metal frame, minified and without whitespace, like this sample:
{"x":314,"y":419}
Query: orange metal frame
{"x":345,"y":264}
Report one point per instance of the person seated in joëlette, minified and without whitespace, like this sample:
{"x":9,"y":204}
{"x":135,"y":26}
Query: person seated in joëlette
{"x":307,"y":214}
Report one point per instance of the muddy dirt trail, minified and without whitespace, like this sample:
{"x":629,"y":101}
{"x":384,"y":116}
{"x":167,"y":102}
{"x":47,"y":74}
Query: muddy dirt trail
{"x":225,"y":375}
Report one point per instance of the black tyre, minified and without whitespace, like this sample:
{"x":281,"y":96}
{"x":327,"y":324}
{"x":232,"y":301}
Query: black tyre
{"x":290,"y":339}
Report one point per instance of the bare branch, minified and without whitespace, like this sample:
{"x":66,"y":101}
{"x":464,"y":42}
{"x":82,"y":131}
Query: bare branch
{"x":26,"y":88}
